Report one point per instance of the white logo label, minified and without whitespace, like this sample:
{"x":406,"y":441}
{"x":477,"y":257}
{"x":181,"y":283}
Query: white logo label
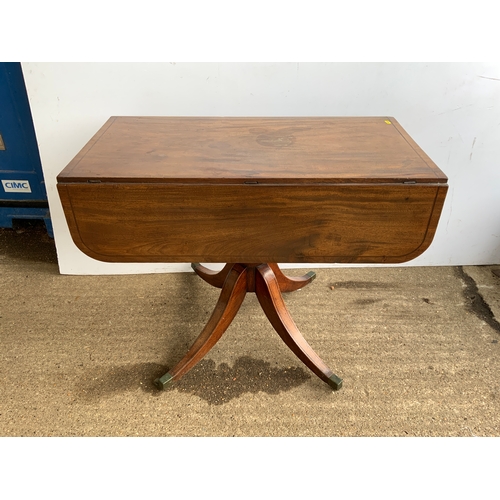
{"x":12,"y":186}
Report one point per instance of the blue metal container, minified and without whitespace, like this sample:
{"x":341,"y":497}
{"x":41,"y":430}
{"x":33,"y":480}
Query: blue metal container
{"x":22,"y":187}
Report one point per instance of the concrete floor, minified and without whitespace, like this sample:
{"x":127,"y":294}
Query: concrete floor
{"x":418,"y":349}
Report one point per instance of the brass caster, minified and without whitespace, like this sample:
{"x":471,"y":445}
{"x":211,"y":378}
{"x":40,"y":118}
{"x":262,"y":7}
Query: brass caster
{"x":162,"y":382}
{"x":311,"y":274}
{"x":335,"y":382}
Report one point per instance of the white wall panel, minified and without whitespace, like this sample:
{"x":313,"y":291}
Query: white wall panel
{"x":452,"y":110}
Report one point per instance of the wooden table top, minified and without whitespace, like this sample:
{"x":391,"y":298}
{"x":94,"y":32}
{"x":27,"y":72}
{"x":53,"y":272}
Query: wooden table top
{"x":163,"y":189}
{"x":291,"y":150}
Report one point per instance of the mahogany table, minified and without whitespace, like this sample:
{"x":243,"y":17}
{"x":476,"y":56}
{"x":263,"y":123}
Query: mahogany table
{"x":252,"y":192}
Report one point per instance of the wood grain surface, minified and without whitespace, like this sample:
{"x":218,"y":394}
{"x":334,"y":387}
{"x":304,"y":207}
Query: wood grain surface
{"x":242,"y":223}
{"x":228,"y":150}
{"x":163,"y":189}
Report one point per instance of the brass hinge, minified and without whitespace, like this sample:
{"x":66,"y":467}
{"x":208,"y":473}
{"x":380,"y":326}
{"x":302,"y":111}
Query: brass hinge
{"x":2,"y":145}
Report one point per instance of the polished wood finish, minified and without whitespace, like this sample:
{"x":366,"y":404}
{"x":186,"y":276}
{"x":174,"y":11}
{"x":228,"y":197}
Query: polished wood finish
{"x":227,"y":223}
{"x":215,"y":278}
{"x":290,"y":284}
{"x":294,"y":150}
{"x":232,"y":295}
{"x":268,"y":292}
{"x":286,"y":283}
{"x":261,"y":279}
{"x":255,"y":191}
{"x":347,"y":190}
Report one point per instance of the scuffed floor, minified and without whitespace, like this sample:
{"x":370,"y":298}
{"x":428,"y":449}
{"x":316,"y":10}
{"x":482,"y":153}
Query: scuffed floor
{"x":417,"y":347}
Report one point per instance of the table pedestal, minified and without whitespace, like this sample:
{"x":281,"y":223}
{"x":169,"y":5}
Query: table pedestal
{"x":267,"y":282}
